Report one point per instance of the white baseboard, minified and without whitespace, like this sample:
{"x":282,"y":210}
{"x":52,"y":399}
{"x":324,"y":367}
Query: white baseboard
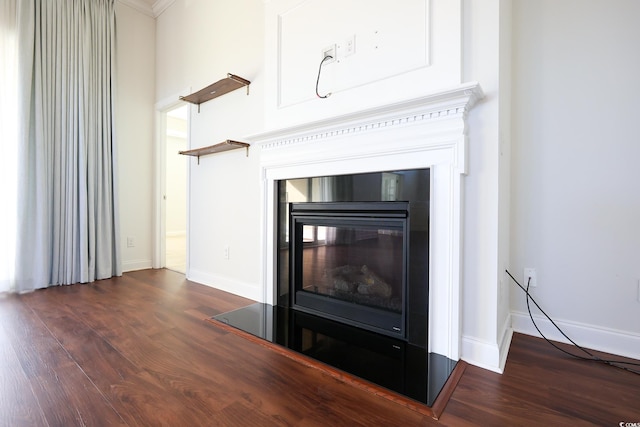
{"x":622,"y":343}
{"x":243,"y":289}
{"x":481,"y":353}
{"x":488,"y":355}
{"x":505,"y":342}
{"x":136,"y":264}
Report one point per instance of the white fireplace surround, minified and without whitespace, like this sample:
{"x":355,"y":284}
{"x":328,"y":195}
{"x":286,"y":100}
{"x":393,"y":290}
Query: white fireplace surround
{"x":425,"y":132}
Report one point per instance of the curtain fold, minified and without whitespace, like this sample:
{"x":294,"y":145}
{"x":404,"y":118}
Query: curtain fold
{"x":8,"y":138}
{"x":67,"y":229}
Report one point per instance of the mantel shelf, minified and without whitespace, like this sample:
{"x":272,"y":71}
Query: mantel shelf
{"x":217,"y":148}
{"x":219,"y":88}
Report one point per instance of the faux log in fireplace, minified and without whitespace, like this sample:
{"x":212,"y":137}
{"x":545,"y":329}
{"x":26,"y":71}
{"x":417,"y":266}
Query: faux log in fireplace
{"x":349,"y":262}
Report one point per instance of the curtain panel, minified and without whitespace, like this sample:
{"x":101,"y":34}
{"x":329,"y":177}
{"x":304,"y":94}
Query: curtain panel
{"x":67,"y":229}
{"x":8,"y":138}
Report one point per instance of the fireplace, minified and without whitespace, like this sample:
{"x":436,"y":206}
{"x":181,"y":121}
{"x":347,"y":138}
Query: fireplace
{"x":428,"y":132}
{"x":354,"y":248}
{"x":353,"y":278}
{"x":348,"y":262}
{"x":406,"y":159}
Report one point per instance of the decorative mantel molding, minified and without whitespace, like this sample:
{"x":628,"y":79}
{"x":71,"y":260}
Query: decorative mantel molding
{"x":426,"y":132}
{"x":451,"y":103}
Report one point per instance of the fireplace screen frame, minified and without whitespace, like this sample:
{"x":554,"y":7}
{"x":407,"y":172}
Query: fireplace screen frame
{"x":375,"y":215}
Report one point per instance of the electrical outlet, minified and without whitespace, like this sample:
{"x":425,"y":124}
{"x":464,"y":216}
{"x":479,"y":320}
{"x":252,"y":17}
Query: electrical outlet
{"x":350,"y":46}
{"x":131,"y":242}
{"x":226,"y":252}
{"x":530,"y":278}
{"x":329,"y":51}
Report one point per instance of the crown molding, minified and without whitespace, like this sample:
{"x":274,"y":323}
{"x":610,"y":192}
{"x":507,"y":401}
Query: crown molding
{"x":160,"y":6}
{"x":140,"y":6}
{"x":145,"y":8}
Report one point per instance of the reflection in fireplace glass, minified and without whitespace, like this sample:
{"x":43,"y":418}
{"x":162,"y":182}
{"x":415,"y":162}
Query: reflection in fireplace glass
{"x":356,"y":264}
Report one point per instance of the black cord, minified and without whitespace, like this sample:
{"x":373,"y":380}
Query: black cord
{"x":592,"y":357}
{"x":318,"y":79}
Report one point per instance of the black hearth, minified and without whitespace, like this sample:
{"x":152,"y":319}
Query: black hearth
{"x":383,"y":360}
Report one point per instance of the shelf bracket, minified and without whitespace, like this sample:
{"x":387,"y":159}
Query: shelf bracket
{"x":239,"y":80}
{"x":219,"y":88}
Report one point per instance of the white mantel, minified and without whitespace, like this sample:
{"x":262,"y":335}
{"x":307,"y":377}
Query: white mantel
{"x":425,"y":132}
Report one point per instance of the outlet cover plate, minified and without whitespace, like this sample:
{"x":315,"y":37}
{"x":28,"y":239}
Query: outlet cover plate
{"x":331,"y":51}
{"x":530,"y":273}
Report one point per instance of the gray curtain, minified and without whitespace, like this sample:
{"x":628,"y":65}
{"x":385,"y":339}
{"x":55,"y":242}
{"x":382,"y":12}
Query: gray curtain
{"x":8,"y":138}
{"x":67,"y":228}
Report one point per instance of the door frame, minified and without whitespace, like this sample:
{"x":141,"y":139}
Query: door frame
{"x":162,"y":107}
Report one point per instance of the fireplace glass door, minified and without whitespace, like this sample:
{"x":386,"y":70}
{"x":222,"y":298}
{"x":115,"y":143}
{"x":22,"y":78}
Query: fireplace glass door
{"x":350,"y":261}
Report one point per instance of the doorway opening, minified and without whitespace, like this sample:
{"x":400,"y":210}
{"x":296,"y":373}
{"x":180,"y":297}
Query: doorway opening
{"x":175,"y":189}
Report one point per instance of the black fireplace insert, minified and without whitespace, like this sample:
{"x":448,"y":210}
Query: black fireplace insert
{"x":349,"y":262}
{"x":355,"y":249}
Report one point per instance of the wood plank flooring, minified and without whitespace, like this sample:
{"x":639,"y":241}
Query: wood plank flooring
{"x":137,"y":351}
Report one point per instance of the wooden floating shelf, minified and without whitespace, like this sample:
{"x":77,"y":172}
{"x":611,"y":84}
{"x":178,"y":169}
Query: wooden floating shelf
{"x":219,"y":88}
{"x":217,"y":148}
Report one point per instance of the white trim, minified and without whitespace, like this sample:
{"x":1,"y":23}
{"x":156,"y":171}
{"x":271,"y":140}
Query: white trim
{"x":170,"y":102}
{"x":145,"y":8}
{"x":160,"y":6}
{"x":247,"y":290}
{"x":622,"y":343}
{"x":425,"y":132}
{"x":139,"y":264}
{"x":439,"y":105}
{"x":159,"y":172}
{"x":481,"y":353}
{"x":506,"y":336}
{"x":489,"y":355}
{"x":139,"y":5}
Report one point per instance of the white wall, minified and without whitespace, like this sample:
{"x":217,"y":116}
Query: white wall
{"x":576,"y":180}
{"x":400,"y":53}
{"x":572,"y":200}
{"x":134,"y":115}
{"x":485,"y":302}
{"x":198,"y":43}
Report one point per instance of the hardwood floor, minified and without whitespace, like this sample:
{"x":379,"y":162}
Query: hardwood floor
{"x":137,"y":350}
{"x":176,"y":252}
